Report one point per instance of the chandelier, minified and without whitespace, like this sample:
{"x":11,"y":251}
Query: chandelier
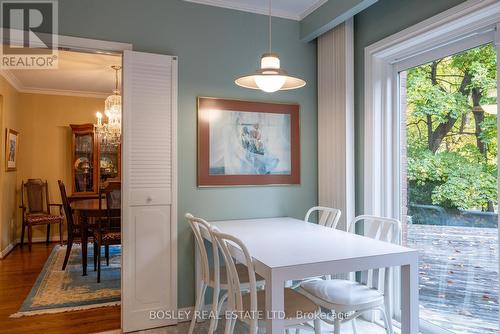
{"x":270,"y":77}
{"x":109,"y":132}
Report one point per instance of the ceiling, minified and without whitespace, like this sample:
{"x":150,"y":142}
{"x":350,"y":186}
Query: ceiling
{"x":81,"y":74}
{"x":290,"y":9}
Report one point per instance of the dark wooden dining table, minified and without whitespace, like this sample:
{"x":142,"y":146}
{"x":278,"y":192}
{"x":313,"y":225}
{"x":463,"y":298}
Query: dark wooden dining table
{"x":86,"y":210}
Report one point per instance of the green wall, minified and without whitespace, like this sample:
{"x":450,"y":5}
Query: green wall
{"x":214,"y":46}
{"x":384,"y":18}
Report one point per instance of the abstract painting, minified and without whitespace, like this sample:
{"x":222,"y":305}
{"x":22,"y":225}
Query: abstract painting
{"x":247,"y":143}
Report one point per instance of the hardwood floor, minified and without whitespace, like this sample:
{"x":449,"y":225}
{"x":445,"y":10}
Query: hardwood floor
{"x":363,"y":327}
{"x":18,"y":273}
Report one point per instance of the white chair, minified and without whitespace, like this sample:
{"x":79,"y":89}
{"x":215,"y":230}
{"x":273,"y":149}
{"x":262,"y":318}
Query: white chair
{"x":328,"y":217}
{"x":215,"y":279}
{"x":240,"y":305}
{"x":350,"y":297}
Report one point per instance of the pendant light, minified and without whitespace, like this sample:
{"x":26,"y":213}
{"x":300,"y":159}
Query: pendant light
{"x":270,"y":77}
{"x":110,"y":132}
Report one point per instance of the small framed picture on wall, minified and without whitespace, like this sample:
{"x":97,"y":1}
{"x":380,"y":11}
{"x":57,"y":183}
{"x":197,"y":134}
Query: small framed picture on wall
{"x":245,"y":143}
{"x":11,"y":149}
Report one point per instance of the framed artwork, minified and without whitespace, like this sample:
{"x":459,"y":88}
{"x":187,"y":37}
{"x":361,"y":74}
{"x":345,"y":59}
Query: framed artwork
{"x":11,"y":149}
{"x":242,"y":143}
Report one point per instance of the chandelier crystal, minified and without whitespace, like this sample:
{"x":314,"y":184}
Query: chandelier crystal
{"x":109,"y":132}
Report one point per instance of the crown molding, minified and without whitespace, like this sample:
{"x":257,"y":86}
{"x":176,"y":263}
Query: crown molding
{"x":312,"y":9}
{"x":12,"y":79}
{"x":60,"y":92}
{"x":259,"y":10}
{"x":19,"y":87}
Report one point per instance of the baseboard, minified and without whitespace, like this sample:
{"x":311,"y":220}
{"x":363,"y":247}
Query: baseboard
{"x":11,"y":246}
{"x":41,"y":239}
{"x":7,"y":250}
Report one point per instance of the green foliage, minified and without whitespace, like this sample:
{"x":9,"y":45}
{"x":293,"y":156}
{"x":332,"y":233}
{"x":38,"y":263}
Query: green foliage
{"x":459,"y":174}
{"x":450,"y":179}
{"x":480,"y":63}
{"x":433,"y":100}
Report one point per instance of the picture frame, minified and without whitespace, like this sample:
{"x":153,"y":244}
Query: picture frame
{"x":11,"y":149}
{"x":246,"y":143}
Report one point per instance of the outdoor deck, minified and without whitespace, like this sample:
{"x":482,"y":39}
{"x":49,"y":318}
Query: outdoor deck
{"x":458,"y":277}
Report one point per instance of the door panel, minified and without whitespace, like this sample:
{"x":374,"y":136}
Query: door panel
{"x":150,"y":189}
{"x":152,"y":234}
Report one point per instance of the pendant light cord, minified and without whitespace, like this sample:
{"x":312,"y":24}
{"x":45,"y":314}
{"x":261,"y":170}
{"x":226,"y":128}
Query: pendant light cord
{"x":116,"y":68}
{"x":270,"y":27}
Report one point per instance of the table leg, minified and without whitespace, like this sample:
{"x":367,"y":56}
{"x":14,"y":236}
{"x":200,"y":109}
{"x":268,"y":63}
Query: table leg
{"x":409,"y":299}
{"x":83,"y":224}
{"x":275,"y":304}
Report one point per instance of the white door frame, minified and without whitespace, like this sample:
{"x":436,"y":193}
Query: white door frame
{"x":108,"y":47}
{"x":467,"y":25}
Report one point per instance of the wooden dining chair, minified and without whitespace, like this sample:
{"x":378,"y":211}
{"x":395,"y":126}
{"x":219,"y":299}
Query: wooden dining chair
{"x":36,"y":209}
{"x":108,"y":228}
{"x":245,"y":306}
{"x":74,"y":229}
{"x":354,"y":298}
{"x":213,"y":277}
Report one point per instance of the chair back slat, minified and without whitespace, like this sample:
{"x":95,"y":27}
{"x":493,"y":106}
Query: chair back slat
{"x":112,"y":190}
{"x":36,"y":192}
{"x":232,"y":248}
{"x":111,"y":194}
{"x":68,"y":212}
{"x":328,"y":217}
{"x":378,"y":228}
{"x":201,"y":230}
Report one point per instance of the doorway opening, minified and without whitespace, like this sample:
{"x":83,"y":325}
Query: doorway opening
{"x":449,"y":184}
{"x":65,"y":161}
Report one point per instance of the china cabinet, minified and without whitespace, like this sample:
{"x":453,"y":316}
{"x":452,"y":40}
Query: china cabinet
{"x":92,"y":163}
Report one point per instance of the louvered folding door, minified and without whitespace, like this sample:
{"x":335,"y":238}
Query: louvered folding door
{"x":149,"y":272}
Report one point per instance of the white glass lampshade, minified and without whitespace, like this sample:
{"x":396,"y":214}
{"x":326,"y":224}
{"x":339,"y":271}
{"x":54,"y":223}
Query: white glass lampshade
{"x":270,"y":77}
{"x":270,"y":60}
{"x":270,"y":83}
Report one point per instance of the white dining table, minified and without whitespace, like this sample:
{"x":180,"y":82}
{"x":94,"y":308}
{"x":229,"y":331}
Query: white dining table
{"x":287,"y":249}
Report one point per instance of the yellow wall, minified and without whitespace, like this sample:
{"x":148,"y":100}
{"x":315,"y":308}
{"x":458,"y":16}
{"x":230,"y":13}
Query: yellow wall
{"x":10,"y":118}
{"x":46,"y":140}
{"x":44,"y":148}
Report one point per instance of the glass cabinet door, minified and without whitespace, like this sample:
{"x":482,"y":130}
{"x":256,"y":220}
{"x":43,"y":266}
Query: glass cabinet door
{"x":83,"y":165}
{"x":109,"y":163}
{"x":84,"y":160}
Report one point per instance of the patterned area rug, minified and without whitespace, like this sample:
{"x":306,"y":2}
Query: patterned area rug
{"x":58,"y":291}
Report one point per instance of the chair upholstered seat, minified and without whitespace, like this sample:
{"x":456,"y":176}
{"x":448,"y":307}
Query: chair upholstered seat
{"x":341,"y":292}
{"x":295,"y":303}
{"x":43,"y":218}
{"x":110,"y":236}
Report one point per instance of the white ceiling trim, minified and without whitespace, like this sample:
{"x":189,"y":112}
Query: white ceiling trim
{"x":64,"y":92}
{"x":19,"y":87}
{"x":12,"y":79}
{"x":259,"y":10}
{"x":312,"y":9}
